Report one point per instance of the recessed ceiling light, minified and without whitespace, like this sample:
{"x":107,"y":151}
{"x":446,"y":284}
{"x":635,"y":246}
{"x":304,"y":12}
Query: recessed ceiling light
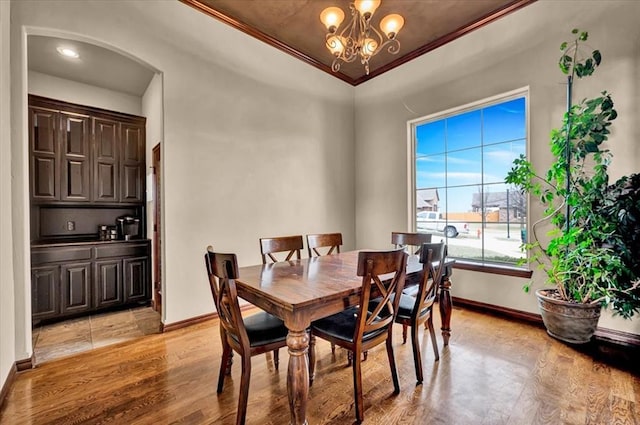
{"x":67,"y":52}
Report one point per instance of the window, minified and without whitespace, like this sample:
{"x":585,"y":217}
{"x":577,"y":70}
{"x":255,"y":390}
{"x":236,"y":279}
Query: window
{"x":459,"y":161}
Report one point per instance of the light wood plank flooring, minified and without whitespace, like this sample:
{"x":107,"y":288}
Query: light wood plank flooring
{"x":69,"y":337}
{"x":495,"y":371}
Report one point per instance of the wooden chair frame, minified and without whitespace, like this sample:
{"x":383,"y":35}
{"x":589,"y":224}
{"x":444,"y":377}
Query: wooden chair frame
{"x":402,"y":240}
{"x":422,"y":311}
{"x":371,"y":265}
{"x":290,"y":244}
{"x":332,"y":241}
{"x":223,"y":270}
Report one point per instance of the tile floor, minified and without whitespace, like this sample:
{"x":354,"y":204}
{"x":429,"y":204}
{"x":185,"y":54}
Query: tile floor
{"x":86,"y":333}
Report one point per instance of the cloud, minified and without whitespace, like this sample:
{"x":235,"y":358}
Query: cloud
{"x":502,"y":155}
{"x":466,"y":177}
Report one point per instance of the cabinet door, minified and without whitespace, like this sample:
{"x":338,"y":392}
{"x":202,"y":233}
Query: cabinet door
{"x":132,"y":163}
{"x":76,"y":280}
{"x":44,"y":153}
{"x":136,"y":279}
{"x":75,"y":158}
{"x":108,"y":290}
{"x":44,"y":292}
{"x":105,"y":151}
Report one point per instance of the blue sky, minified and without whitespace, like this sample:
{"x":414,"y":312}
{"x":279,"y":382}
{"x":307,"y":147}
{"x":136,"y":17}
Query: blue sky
{"x":481,"y":146}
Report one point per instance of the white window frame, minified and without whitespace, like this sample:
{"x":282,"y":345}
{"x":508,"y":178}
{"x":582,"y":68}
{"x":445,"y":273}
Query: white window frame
{"x":411,"y":144}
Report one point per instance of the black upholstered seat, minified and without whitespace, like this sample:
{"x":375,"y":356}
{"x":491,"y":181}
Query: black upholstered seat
{"x":264,"y":328}
{"x":343,"y":325}
{"x":405,"y":307}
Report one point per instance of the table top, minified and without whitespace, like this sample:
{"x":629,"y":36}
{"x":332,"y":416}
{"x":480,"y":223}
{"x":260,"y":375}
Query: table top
{"x":312,"y":287}
{"x":303,"y":281}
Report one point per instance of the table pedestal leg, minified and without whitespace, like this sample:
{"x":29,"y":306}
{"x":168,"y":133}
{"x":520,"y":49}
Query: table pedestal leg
{"x":444,"y":302}
{"x":298,"y":376}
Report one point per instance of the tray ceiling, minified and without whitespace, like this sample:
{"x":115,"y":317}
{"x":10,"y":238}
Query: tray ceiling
{"x":294,"y":26}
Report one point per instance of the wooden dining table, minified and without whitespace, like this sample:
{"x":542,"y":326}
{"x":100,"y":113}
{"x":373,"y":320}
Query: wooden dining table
{"x":305,"y":290}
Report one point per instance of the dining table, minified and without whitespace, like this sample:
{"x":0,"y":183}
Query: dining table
{"x":308,"y":289}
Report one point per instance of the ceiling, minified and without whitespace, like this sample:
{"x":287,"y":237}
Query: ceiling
{"x":290,"y":25}
{"x":294,"y":26}
{"x":96,"y":65}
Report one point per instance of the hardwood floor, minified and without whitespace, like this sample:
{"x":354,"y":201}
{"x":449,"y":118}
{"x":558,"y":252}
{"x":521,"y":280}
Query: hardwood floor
{"x":495,"y":371}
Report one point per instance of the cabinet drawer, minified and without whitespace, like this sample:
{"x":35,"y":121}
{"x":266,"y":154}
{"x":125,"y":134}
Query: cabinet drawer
{"x":122,"y":250}
{"x":52,"y":255}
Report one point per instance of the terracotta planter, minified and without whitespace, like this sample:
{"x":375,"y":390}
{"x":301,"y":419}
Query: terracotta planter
{"x":570,"y":322}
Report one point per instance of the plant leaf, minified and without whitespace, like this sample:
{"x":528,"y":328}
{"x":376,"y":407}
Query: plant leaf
{"x":597,"y":57}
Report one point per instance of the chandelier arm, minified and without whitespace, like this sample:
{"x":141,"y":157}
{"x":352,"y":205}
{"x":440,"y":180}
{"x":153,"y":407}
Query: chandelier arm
{"x":381,"y":38}
{"x":393,"y":47}
{"x":335,"y":66}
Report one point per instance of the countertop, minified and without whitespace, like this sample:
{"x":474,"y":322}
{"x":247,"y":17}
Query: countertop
{"x":42,"y":243}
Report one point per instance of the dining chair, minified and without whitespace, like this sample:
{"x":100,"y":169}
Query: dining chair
{"x":404,"y":240}
{"x":357,"y":330}
{"x":292,"y":245}
{"x":330,"y":242}
{"x":418,"y":309}
{"x":250,"y":336}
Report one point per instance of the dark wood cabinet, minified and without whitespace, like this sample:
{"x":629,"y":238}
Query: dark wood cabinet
{"x":84,"y":155}
{"x":106,"y":135}
{"x":75,"y":291}
{"x":136,"y":278}
{"x":132,"y":163}
{"x":71,"y":279}
{"x":108,"y":289}
{"x":45,"y":154}
{"x":75,"y":143}
{"x":87,"y":168}
{"x":45,"y":292}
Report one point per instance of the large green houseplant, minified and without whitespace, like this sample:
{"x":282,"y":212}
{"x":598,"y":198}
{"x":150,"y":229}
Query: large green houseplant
{"x":586,"y":256}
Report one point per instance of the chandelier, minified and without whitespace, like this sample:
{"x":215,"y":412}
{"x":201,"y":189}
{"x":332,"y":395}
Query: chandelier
{"x":360,"y":40}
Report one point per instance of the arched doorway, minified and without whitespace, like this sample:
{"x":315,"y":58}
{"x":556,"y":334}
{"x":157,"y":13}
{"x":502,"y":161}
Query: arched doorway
{"x":110,"y":80}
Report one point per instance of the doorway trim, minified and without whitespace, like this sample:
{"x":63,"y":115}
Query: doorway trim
{"x":156,"y":166}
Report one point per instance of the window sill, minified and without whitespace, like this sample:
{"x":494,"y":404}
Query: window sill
{"x":493,"y":269}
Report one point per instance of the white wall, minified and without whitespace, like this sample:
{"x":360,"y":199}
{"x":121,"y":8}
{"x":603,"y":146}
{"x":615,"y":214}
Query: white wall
{"x":7,"y":298}
{"x":519,"y":50}
{"x":249,"y":150}
{"x":83,"y":94}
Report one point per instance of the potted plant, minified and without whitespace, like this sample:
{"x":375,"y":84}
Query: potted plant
{"x":586,"y":258}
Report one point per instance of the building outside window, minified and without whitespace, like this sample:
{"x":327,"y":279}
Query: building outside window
{"x":460,"y":158}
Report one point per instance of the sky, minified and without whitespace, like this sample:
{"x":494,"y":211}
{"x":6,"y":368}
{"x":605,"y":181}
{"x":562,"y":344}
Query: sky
{"x":481,"y":145}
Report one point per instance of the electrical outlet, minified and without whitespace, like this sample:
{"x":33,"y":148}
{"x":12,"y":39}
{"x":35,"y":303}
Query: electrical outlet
{"x":71,"y":225}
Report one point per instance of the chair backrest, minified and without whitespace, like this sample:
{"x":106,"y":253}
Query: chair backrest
{"x":290,"y":244}
{"x":332,"y":241}
{"x":431,"y":275}
{"x":223,"y":270}
{"x":402,"y":240}
{"x":371,"y":266}
{"x":213,"y":281}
